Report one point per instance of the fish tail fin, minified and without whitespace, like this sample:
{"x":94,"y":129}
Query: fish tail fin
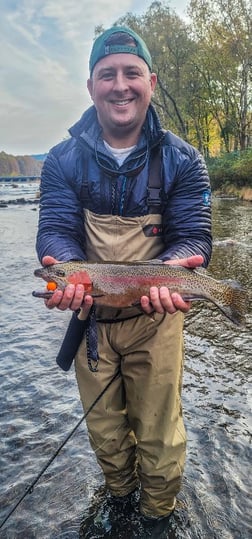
{"x":235,"y":302}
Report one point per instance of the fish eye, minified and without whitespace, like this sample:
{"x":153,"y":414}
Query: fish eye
{"x":60,"y":273}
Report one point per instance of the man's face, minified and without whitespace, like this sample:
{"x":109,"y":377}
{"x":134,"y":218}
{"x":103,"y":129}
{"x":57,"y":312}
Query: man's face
{"x":121,"y":88}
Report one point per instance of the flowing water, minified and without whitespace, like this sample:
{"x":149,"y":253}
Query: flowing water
{"x":40,"y":404}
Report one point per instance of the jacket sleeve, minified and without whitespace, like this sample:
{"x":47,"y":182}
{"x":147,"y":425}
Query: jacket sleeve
{"x":187,"y":213}
{"x":60,"y":229}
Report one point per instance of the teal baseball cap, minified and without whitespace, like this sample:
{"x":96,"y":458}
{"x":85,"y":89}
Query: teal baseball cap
{"x":101,"y":49}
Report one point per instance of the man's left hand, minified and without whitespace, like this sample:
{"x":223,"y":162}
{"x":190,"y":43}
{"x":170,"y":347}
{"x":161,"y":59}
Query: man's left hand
{"x":161,"y":300}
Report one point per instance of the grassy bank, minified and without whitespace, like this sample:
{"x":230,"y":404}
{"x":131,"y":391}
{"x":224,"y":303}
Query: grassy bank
{"x":231,"y":174}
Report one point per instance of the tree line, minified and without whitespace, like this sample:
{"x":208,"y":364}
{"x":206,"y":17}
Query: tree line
{"x":22,"y":165}
{"x":204,"y":70}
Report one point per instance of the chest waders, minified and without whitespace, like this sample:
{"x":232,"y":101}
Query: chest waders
{"x":136,"y":429}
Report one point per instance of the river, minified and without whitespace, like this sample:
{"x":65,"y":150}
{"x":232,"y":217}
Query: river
{"x":40,"y":405}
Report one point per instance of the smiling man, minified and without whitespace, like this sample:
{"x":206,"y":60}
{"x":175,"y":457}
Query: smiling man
{"x":123,"y":189}
{"x":121,"y":86}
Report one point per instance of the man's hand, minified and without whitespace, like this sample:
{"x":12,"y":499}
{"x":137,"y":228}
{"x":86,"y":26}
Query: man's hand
{"x":72,"y":297}
{"x":160,"y":300}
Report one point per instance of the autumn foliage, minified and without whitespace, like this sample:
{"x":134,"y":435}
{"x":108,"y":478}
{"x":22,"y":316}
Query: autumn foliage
{"x":23,"y":165}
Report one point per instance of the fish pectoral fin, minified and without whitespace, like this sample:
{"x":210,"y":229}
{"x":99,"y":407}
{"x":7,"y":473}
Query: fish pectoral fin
{"x":138,"y":305}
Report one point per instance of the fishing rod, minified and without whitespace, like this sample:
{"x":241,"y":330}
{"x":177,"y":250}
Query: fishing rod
{"x":30,"y":487}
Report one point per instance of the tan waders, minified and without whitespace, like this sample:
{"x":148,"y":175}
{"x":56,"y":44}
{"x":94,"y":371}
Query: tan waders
{"x":136,"y":429}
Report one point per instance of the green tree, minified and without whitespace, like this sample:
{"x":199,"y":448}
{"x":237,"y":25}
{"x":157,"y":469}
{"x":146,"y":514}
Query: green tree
{"x":222,"y":30}
{"x":171,"y":48}
{"x":203,"y":70}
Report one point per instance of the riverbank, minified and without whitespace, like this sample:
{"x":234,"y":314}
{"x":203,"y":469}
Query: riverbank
{"x":231,"y":174}
{"x":231,"y":191}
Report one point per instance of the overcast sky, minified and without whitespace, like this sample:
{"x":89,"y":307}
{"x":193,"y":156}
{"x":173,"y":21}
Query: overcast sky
{"x":45,"y":46}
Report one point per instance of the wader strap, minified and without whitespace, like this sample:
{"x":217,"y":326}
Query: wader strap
{"x":154,"y":200}
{"x":84,"y":195}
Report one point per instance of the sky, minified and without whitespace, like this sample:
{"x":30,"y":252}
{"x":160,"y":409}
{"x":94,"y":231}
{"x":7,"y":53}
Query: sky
{"x":45,"y":47}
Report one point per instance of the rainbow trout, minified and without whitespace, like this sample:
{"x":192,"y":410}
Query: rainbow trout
{"x":120,"y":285}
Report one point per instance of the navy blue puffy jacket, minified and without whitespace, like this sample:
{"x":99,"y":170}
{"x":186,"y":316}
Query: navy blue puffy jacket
{"x":83,"y":160}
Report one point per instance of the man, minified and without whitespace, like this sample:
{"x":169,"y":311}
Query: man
{"x":98,"y":203}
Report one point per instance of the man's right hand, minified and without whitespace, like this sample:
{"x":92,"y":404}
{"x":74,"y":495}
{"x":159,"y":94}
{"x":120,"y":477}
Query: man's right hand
{"x":73,"y":297}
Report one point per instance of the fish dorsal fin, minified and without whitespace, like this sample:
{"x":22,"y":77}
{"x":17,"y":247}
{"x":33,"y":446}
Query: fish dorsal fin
{"x":200,"y":269}
{"x":148,"y":262}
